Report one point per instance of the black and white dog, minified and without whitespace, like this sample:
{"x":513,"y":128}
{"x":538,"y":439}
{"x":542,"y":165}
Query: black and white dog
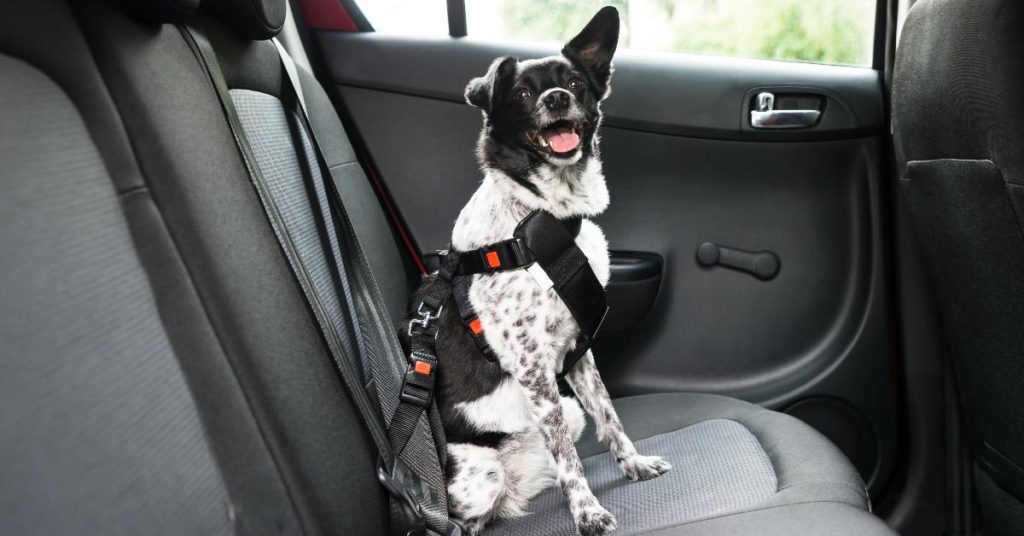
{"x":510,"y":434}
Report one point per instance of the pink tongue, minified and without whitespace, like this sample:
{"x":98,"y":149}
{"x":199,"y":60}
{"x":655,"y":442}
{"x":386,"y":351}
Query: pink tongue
{"x":564,"y":141}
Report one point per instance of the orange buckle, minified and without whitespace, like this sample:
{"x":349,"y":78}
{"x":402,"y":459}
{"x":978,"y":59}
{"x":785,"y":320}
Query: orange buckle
{"x":493,"y":260}
{"x":422,"y":368}
{"x":476,"y":327}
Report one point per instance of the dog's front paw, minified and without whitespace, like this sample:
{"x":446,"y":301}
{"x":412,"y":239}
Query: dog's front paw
{"x":644,"y":467}
{"x":594,"y":521}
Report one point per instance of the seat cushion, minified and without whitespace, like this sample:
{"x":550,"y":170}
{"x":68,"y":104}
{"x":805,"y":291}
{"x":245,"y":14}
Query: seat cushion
{"x":731,"y":460}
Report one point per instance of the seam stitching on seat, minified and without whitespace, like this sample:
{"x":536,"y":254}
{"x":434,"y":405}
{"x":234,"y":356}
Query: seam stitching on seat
{"x":133,"y":190}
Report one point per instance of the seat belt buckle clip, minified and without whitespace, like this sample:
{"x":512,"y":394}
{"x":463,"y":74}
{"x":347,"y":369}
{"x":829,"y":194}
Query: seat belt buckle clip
{"x":397,"y":480}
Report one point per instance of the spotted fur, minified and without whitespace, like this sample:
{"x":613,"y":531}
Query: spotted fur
{"x":511,"y":433}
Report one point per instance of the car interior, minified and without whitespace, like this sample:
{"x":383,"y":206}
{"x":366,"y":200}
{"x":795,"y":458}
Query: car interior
{"x":214,"y":213}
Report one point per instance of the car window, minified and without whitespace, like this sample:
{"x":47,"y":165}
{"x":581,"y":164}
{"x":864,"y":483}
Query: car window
{"x":408,"y":17}
{"x":822,"y":31}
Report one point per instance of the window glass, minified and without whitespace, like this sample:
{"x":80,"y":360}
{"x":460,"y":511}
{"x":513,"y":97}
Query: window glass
{"x":822,"y":31}
{"x":408,"y":17}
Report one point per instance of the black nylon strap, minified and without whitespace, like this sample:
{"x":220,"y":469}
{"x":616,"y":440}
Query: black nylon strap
{"x":573,"y":225}
{"x":460,"y":291}
{"x":418,"y":389}
{"x":509,"y":254}
{"x":569,"y":269}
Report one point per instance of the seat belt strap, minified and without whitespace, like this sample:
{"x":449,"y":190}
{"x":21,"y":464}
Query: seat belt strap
{"x":415,"y":399}
{"x":416,"y":395}
{"x":367,"y":410}
{"x":209,"y":61}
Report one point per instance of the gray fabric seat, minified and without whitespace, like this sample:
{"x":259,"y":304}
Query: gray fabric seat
{"x":160,"y":371}
{"x":958,"y":128}
{"x":732,"y":460}
{"x":88,"y":378}
{"x":104,"y":387}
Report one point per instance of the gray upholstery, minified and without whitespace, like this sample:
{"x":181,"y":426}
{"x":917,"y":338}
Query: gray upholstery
{"x":225,"y":249}
{"x":731,"y":461}
{"x":808,"y":466}
{"x":958,"y":125}
{"x":267,"y":128}
{"x":100,"y":434}
{"x":720,"y":468}
{"x":956,"y":82}
{"x":803,"y":519}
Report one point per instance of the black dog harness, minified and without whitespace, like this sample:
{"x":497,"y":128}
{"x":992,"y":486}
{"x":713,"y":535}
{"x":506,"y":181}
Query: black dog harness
{"x":547,"y":248}
{"x":544,"y":246}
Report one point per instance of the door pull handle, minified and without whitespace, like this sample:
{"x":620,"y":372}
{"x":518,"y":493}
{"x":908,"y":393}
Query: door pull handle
{"x":764,"y":265}
{"x":766,"y":116}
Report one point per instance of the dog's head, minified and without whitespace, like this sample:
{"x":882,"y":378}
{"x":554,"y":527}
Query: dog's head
{"x":546,"y":112}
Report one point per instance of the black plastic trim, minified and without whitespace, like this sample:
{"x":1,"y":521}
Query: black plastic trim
{"x":632,"y":290}
{"x":665,"y":93}
{"x":354,"y":13}
{"x":628,"y":266}
{"x":457,"y":18}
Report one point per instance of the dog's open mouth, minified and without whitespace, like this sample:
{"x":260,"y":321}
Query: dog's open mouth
{"x":560,"y":138}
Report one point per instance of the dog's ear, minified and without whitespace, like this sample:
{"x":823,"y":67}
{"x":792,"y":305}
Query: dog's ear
{"x":487,"y":91}
{"x":594,"y":47}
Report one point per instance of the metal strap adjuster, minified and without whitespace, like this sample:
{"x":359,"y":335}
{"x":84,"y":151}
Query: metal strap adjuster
{"x":425,"y":320}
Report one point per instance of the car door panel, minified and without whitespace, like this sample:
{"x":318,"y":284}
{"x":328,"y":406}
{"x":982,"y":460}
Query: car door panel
{"x":685,"y":168}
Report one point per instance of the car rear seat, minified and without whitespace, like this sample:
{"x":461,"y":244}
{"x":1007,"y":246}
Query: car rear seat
{"x":160,"y":372}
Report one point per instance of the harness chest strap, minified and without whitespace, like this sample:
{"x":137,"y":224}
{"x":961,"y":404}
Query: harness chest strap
{"x":545,"y":244}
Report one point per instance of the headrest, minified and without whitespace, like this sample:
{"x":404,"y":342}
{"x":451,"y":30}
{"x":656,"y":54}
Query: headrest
{"x":158,"y":11}
{"x":251,"y":19}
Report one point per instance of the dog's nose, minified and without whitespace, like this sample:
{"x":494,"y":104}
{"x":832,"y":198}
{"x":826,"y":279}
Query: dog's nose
{"x":557,"y":100}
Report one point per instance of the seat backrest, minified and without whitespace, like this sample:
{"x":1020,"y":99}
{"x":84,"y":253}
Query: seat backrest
{"x":959,"y":138}
{"x":160,"y":371}
{"x":118,"y":413}
{"x":195,"y":173}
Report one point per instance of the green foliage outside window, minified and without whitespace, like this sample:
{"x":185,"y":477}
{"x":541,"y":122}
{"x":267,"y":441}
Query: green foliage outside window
{"x":821,"y":31}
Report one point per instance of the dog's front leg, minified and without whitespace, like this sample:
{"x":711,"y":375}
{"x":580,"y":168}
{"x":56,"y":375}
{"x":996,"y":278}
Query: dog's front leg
{"x":537,"y":376}
{"x":590,"y":390}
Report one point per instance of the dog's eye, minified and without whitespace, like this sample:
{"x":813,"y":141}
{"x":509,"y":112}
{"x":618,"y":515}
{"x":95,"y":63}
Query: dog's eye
{"x":575,"y":83}
{"x":523,"y":93}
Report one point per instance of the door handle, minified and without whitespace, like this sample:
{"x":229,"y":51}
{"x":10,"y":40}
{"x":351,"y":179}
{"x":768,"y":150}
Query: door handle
{"x":763,"y":265}
{"x":766,"y":116}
